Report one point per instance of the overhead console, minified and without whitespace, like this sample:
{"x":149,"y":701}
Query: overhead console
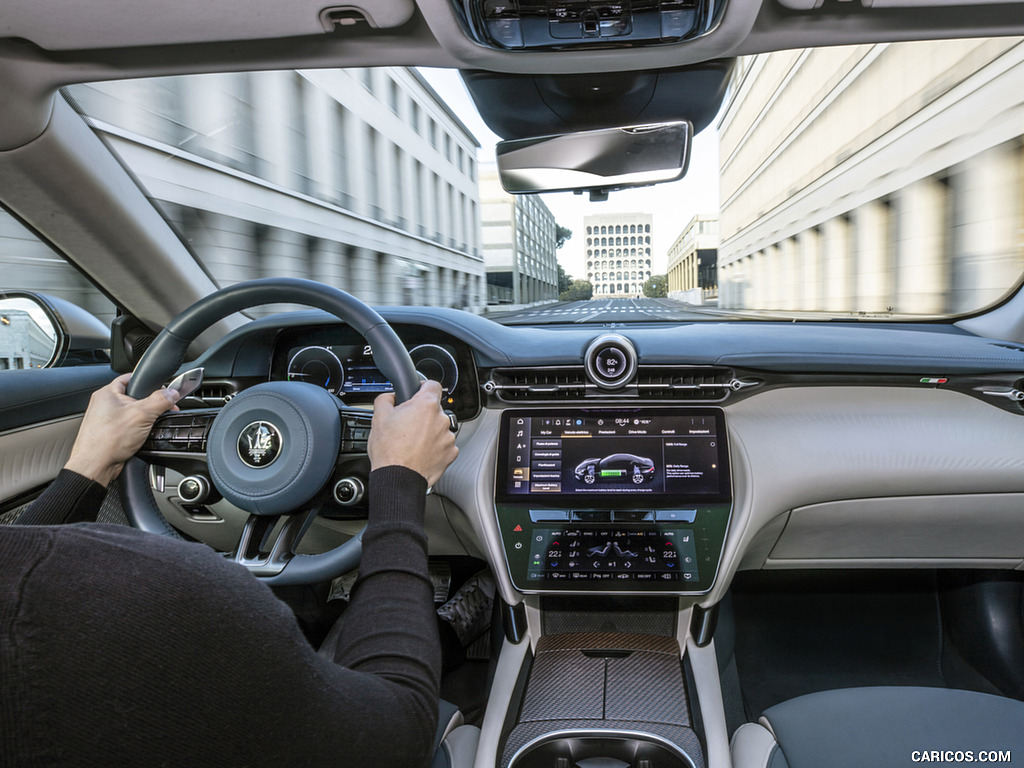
{"x":554,"y":24}
{"x":616,"y":500}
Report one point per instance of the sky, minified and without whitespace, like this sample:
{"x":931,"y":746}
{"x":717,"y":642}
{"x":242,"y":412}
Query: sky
{"x":673,"y":205}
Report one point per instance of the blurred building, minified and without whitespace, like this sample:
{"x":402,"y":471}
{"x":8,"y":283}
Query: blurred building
{"x":518,"y":244}
{"x":362,"y":179}
{"x":618,"y":253}
{"x":693,"y":261}
{"x":23,"y":342}
{"x":876,"y":178}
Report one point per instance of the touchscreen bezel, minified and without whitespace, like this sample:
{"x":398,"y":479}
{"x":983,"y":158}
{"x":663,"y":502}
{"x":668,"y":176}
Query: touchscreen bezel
{"x":612,"y":500}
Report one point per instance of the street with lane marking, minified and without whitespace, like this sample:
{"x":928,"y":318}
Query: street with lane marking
{"x":612,"y":311}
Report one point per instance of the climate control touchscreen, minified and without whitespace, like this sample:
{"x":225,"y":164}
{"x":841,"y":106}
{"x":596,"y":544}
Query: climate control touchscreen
{"x":591,"y":554}
{"x":617,"y":500}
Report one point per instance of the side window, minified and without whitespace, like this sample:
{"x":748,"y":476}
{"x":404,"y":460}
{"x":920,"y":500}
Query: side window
{"x":29,"y":265}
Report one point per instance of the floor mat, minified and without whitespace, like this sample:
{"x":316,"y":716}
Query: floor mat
{"x":801,"y":632}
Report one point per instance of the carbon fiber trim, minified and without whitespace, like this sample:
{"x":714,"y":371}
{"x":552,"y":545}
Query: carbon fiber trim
{"x":633,"y":615}
{"x":607,"y":641}
{"x":564,"y":684}
{"x":524,"y":733}
{"x":648,"y":687}
{"x":10,"y":517}
{"x":112,"y":509}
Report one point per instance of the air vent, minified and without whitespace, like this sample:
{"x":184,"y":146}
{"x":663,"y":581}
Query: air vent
{"x":555,"y":383}
{"x":211,"y":394}
{"x":677,"y":383}
{"x":689,"y":383}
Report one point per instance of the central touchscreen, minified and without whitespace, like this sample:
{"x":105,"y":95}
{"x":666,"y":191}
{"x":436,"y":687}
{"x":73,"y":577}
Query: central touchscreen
{"x":595,"y":454}
{"x":619,"y":500}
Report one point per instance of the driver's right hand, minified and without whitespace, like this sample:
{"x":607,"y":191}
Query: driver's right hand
{"x":415,"y":434}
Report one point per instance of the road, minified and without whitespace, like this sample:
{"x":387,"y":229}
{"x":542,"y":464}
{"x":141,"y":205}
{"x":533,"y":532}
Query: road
{"x":611,"y":311}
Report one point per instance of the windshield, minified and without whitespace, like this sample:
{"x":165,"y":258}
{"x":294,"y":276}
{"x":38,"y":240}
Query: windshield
{"x":881,"y":182}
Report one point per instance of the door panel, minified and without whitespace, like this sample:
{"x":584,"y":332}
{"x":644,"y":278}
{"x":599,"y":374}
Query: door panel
{"x":40,"y":412}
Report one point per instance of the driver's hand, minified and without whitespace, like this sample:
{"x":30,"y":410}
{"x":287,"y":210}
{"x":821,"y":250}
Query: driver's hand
{"x":414,"y":434}
{"x":114,"y":428}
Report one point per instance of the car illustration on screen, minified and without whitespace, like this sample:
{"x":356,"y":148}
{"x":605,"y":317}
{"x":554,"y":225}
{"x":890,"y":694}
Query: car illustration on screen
{"x":616,"y":468}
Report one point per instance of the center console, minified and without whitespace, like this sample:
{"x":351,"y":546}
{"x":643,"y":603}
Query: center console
{"x":617,"y":500}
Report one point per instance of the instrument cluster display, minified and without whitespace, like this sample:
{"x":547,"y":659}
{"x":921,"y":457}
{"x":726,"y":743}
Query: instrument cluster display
{"x":339,"y":360}
{"x":343,"y":369}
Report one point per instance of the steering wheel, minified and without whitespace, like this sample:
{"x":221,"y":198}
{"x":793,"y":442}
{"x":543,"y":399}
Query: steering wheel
{"x":275,"y":445}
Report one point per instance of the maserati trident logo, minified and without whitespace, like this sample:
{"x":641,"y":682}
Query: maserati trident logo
{"x":259,"y":444}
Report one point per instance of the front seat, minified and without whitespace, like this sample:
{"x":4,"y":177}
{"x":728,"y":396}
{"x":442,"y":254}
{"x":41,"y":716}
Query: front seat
{"x":455,"y":743}
{"x":881,"y":727}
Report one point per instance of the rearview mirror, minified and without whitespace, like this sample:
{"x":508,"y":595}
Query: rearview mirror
{"x":602,"y":160}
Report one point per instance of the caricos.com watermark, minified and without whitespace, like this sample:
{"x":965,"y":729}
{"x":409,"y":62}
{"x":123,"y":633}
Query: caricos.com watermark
{"x":960,"y":756}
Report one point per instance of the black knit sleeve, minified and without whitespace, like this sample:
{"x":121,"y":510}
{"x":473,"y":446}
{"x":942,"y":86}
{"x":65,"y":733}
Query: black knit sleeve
{"x":70,"y":498}
{"x":390,"y":628}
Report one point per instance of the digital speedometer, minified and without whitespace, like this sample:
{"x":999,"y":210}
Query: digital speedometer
{"x":317,"y":365}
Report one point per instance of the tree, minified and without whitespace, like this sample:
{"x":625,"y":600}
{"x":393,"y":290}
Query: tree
{"x":656,"y":287}
{"x":564,"y":280}
{"x":580,"y":290}
{"x":562,"y":235}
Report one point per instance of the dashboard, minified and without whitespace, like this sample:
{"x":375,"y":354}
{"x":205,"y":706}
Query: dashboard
{"x":661,"y":458}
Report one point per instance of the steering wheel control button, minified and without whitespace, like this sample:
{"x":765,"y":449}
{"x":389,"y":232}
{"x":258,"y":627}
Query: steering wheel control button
{"x":259,"y":444}
{"x":179,"y":432}
{"x":194,"y":489}
{"x":610,"y":361}
{"x":349,"y":491}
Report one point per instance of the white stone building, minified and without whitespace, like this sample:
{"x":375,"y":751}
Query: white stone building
{"x":874,"y":178}
{"x":618,"y":253}
{"x":693,"y":261}
{"x":363,"y":179}
{"x":519,"y":242}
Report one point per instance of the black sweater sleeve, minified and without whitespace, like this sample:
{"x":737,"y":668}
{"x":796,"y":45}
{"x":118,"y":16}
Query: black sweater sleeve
{"x":123,"y":648}
{"x":70,"y":498}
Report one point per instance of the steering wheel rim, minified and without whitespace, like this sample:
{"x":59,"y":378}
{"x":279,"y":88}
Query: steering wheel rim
{"x":168,"y":350}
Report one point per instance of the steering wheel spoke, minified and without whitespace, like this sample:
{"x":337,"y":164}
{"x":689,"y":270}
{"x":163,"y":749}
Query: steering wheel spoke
{"x":264,"y":553}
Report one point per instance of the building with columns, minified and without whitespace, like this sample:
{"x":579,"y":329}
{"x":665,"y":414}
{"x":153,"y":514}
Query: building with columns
{"x":874,"y":179}
{"x":693,"y":261}
{"x":618,"y":253}
{"x":519,"y":244}
{"x":362,"y":179}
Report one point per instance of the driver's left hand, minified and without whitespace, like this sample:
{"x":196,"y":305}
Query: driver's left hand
{"x":114,"y":428}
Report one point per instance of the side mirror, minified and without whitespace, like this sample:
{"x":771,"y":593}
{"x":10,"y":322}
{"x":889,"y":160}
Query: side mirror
{"x":599,"y":161}
{"x":40,"y":331}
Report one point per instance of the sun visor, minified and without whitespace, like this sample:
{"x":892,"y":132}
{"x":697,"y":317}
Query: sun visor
{"x":90,"y":24}
{"x":523,"y":106}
